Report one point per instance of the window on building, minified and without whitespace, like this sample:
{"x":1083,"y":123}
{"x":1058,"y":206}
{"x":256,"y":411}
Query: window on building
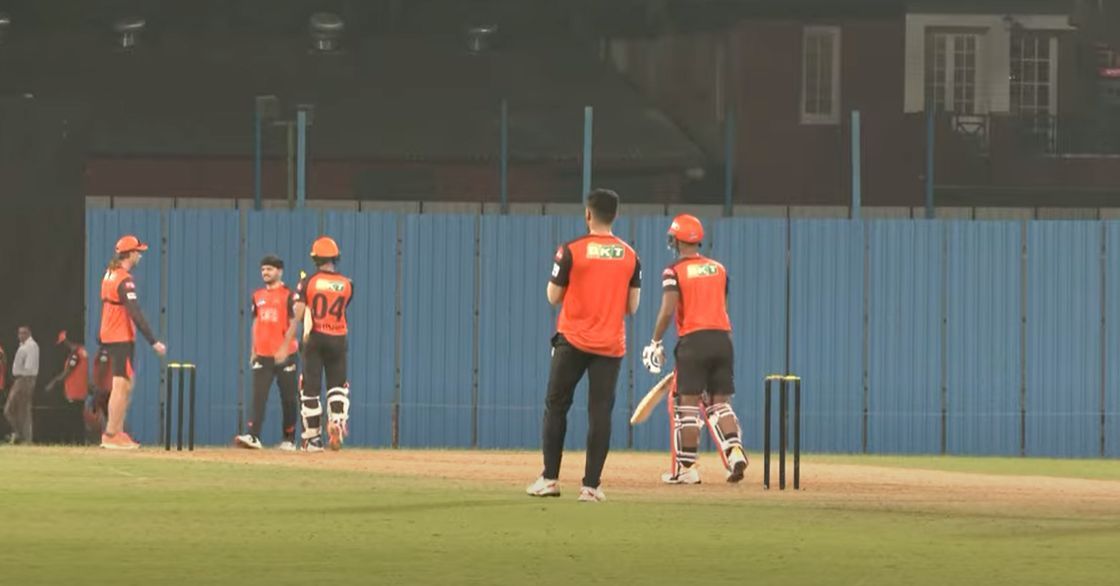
{"x":952,"y":60}
{"x":820,"y":75}
{"x":1032,"y":66}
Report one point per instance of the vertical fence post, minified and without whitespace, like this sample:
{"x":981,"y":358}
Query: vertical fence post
{"x":257,"y":156}
{"x":857,"y":183}
{"x":242,"y":286}
{"x":301,"y":157}
{"x":588,"y":115}
{"x":729,"y":163}
{"x":291,"y":164}
{"x":503,"y":177}
{"x":164,"y":289}
{"x":929,"y":162}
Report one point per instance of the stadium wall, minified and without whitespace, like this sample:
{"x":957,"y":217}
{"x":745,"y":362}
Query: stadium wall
{"x":912,"y":336}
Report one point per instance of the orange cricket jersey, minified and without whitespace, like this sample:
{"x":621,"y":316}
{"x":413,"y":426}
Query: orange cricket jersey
{"x":117,"y":286}
{"x":702,"y":283}
{"x":327,"y":294}
{"x":598,"y":272}
{"x":76,"y":384}
{"x":273,"y":311}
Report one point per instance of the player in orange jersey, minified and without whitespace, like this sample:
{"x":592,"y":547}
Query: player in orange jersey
{"x":695,"y":289}
{"x":596,"y":280}
{"x":273,"y":308}
{"x":325,"y":294}
{"x":120,"y":310}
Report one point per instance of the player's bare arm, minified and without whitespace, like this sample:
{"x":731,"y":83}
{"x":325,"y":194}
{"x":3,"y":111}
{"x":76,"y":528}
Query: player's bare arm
{"x":289,"y":336}
{"x":669,"y":301}
{"x":555,"y":294}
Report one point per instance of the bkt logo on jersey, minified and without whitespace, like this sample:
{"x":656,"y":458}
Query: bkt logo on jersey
{"x":704,"y":270}
{"x":605,"y":251}
{"x":326,"y":285}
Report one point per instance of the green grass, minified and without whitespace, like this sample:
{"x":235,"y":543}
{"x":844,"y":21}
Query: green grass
{"x":93,"y":518}
{"x":1087,"y":469}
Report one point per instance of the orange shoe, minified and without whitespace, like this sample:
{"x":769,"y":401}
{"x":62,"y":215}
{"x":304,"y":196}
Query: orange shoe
{"x":335,"y":433}
{"x":119,"y":441}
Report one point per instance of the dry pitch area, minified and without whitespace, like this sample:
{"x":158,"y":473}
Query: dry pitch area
{"x":826,"y":480}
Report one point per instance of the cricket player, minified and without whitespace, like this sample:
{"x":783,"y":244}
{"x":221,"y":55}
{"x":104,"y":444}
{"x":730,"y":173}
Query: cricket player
{"x":596,"y":281}
{"x":120,"y":309}
{"x":273,"y":308}
{"x":695,"y":289}
{"x":327,"y":295}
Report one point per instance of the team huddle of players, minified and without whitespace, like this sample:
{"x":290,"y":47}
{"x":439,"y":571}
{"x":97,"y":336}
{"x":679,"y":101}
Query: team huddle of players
{"x":322,"y":297}
{"x":596,"y":280}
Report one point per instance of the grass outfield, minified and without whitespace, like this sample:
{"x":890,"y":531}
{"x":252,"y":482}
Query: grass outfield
{"x":81,"y":516}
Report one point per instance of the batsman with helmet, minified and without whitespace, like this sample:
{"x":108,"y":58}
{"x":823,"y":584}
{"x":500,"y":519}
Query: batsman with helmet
{"x":695,"y":288}
{"x":326,"y":294}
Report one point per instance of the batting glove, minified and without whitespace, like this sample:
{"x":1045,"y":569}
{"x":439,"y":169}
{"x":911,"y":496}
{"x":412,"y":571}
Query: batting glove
{"x":653,"y":356}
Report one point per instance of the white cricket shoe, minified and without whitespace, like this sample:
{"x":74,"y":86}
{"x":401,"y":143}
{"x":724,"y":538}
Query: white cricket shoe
{"x":287,"y":446}
{"x":737,"y":461}
{"x":544,"y":487}
{"x":591,"y":495}
{"x":248,"y":441}
{"x":686,"y":476}
{"x":313,"y":445}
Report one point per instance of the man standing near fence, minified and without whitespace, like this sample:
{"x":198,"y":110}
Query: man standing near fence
{"x":120,"y":309}
{"x":326,"y":294}
{"x":273,"y":308}
{"x":596,"y":280}
{"x":25,"y":370}
{"x":695,"y":289}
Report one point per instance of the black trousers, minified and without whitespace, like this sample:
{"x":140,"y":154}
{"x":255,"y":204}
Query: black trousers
{"x":568,"y":366}
{"x":265,"y":370}
{"x":323,"y":353}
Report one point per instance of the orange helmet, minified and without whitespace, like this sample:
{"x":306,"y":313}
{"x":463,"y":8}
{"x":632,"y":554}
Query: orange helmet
{"x":324,"y":247}
{"x":130,"y":243}
{"x":687,"y":228}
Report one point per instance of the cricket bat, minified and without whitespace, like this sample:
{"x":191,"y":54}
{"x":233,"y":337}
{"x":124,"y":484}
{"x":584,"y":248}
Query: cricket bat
{"x":306,"y":314}
{"x":653,"y":397}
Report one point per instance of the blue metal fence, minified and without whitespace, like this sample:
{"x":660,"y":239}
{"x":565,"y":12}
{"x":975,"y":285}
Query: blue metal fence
{"x":826,"y":331}
{"x":1063,"y":338}
{"x":911,"y":336}
{"x":1110,"y":399}
{"x":982,"y":340}
{"x":515,"y":326}
{"x":202,"y":301}
{"x":904,"y":361}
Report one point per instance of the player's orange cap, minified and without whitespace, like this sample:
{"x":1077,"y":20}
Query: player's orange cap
{"x":129,"y":243}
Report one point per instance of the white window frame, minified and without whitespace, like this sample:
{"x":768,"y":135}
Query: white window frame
{"x":1052,"y":66}
{"x":832,"y":117}
{"x":979,"y":80}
